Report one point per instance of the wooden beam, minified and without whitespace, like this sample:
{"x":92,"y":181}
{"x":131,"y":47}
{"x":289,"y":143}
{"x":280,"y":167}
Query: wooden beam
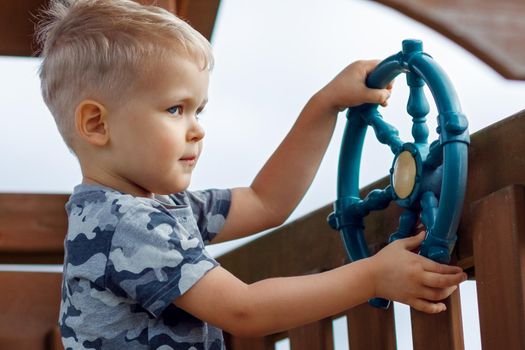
{"x":494,"y":31}
{"x":32,"y":228}
{"x":17,"y":21}
{"x":201,"y":14}
{"x":17,"y":26}
{"x":29,"y":302}
{"x":439,"y":331}
{"x":170,"y":5}
{"x":314,"y":336}
{"x":370,"y":328}
{"x":263,"y":343}
{"x":499,"y":254}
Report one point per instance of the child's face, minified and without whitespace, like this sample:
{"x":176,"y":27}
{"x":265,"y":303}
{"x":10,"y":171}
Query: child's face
{"x":155,"y":137}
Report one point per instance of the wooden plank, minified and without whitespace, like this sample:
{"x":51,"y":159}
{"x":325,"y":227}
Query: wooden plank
{"x":32,"y":224}
{"x":201,"y":14}
{"x":17,"y":21}
{"x":313,"y":336}
{"x":170,"y":5}
{"x":490,"y":29}
{"x":29,"y":304}
{"x":371,"y":328}
{"x":54,"y":339}
{"x":182,"y":8}
{"x":496,"y":160}
{"x":17,"y":27}
{"x":439,"y":331}
{"x":499,"y":254}
{"x":288,"y":251}
{"x":264,"y":343}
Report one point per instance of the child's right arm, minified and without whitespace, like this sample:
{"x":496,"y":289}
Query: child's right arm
{"x":278,"y":304}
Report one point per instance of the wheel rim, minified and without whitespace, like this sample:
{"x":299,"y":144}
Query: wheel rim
{"x":429,"y":181}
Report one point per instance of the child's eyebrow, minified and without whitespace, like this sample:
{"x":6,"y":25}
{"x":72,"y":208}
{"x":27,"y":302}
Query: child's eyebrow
{"x":190,"y":100}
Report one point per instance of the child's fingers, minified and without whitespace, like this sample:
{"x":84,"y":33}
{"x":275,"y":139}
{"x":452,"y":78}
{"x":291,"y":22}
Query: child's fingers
{"x":432,"y":266}
{"x":369,"y":65}
{"x":437,"y":293}
{"x":377,"y":96}
{"x":427,"y":306}
{"x":438,"y":280}
{"x":413,"y":242}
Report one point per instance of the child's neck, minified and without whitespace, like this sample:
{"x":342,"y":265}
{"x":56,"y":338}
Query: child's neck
{"x":121,"y":186}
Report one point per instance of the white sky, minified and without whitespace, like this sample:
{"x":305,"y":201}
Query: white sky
{"x":271,"y":56}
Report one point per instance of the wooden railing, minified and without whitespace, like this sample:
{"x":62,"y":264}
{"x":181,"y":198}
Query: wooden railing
{"x":491,"y":247}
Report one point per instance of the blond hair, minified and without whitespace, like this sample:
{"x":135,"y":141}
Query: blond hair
{"x":101,"y":48}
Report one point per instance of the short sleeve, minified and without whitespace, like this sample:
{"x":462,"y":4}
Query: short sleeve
{"x":154,"y":259}
{"x":210,"y":209}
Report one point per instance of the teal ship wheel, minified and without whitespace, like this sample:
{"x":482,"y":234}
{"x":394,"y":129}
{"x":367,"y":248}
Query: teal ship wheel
{"x":427,"y":180}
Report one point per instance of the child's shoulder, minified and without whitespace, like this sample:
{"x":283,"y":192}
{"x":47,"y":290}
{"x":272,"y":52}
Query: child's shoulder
{"x":96,"y":207}
{"x":93,"y":208}
{"x":90,"y":199}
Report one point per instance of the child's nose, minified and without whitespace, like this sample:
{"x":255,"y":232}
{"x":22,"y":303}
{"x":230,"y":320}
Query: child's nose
{"x":195,"y":132}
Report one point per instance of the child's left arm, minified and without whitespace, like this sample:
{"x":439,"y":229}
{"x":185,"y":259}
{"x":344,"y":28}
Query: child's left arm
{"x":284,"y":179}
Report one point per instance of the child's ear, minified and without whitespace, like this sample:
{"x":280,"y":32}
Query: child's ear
{"x":91,"y":122}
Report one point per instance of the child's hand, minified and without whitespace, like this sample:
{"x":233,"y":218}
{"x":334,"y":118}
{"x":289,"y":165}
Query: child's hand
{"x":412,"y":279}
{"x":348,"y":88}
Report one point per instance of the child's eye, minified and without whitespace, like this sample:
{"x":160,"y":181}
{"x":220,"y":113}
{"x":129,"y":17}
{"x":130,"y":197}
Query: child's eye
{"x":175,"y":109}
{"x":199,"y":111}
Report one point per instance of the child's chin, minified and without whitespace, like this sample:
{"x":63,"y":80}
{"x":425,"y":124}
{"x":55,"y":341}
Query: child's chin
{"x":176,"y":187}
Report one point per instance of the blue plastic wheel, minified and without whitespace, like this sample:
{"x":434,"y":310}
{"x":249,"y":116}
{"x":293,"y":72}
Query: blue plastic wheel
{"x":427,"y":180}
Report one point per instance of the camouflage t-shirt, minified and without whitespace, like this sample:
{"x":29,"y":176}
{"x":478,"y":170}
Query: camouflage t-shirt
{"x":127,"y":258}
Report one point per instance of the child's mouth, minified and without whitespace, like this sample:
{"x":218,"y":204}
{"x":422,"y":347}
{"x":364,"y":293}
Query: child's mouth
{"x":189,"y":161}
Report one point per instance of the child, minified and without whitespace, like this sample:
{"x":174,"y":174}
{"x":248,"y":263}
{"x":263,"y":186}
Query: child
{"x":125,"y":84}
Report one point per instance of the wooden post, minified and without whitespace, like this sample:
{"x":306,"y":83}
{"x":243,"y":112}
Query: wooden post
{"x":371,"y":328}
{"x":498,"y":222}
{"x":29,"y":304}
{"x":234,"y":343}
{"x":54,"y":339}
{"x":439,"y":331}
{"x":170,"y":5}
{"x":313,"y":336}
